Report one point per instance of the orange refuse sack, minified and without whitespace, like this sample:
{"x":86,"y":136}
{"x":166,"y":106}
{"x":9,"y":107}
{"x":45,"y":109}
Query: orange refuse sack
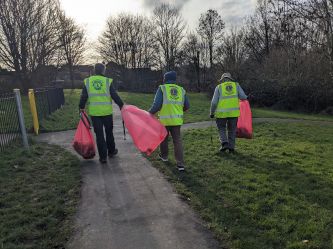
{"x":244,"y":124}
{"x":146,"y":131}
{"x":84,"y":143}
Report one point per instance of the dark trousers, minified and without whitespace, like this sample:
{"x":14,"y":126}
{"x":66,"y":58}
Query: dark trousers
{"x":177,"y":143}
{"x":230,"y":137}
{"x":100,"y":124}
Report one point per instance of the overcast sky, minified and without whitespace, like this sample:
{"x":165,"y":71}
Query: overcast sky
{"x":92,"y":14}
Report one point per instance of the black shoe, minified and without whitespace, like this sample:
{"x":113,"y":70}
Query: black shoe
{"x":181,"y":167}
{"x":232,"y":151}
{"x":115,"y":152}
{"x":102,"y":160}
{"x":162,"y":158}
{"x":224,"y":147}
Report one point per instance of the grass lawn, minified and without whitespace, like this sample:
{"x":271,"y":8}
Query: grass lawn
{"x":200,"y":106}
{"x":39,"y":193}
{"x":276,"y":192}
{"x":67,"y":117}
{"x":268,"y":113}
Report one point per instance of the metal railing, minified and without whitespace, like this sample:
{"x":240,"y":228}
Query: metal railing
{"x":43,"y":102}
{"x":48,"y":100}
{"x":12,"y":128}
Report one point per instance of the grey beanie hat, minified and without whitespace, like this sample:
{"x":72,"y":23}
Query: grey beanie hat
{"x":99,"y":68}
{"x":226,"y":75}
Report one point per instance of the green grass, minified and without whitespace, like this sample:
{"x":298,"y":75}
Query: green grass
{"x":276,"y":192}
{"x":267,"y":113}
{"x":65,"y":118}
{"x":200,"y":107}
{"x":39,"y":193}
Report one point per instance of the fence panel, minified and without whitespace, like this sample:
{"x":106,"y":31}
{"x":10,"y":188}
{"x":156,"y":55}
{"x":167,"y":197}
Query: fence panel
{"x":48,"y":100}
{"x":9,"y":120}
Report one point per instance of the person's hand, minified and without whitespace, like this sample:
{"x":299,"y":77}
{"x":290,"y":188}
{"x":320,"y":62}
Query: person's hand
{"x":212,"y":116}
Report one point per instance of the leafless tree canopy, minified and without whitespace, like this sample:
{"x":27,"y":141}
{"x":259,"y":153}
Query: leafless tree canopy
{"x":28,"y":34}
{"x":31,"y":35}
{"x":72,"y":43}
{"x":128,"y":41}
{"x":169,"y":33}
{"x":210,"y":29}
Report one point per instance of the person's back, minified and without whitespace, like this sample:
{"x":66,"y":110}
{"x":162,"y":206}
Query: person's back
{"x":99,"y":92}
{"x":171,"y":101}
{"x":99,"y":98}
{"x":172,"y":111}
{"x":225,"y":108}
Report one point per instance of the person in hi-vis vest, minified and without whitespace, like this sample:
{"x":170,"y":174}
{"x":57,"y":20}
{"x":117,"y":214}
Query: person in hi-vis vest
{"x":98,"y":90}
{"x":170,"y":102}
{"x":225,"y":108}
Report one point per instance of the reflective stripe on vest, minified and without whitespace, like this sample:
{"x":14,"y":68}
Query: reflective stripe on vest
{"x":171,"y":113}
{"x":171,"y":116}
{"x":99,"y":98}
{"x":228,"y":105}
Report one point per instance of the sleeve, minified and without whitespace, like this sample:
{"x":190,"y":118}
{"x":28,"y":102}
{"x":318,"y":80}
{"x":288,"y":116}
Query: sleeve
{"x":158,"y":102}
{"x":115,"y":97}
{"x":83,"y":98}
{"x":241,"y":94}
{"x":215,"y":100}
{"x":186,"y":103}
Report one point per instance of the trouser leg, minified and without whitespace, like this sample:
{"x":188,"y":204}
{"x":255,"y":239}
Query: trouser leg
{"x":108,"y":125}
{"x":178,"y":145}
{"x":99,"y":131}
{"x":221,"y":125}
{"x":164,"y":147}
{"x":232,"y":128}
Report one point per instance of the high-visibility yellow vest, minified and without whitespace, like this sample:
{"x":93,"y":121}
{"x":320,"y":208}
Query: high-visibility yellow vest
{"x":228,"y":106}
{"x":99,"y":98}
{"x":171,"y":113}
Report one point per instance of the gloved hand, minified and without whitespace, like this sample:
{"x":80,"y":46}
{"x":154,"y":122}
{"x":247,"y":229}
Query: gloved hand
{"x":212,"y":116}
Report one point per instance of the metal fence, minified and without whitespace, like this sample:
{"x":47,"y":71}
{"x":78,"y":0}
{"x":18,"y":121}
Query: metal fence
{"x":12,"y":127}
{"x":48,"y":100}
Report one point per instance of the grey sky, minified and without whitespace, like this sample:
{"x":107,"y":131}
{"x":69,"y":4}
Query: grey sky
{"x":93,"y":14}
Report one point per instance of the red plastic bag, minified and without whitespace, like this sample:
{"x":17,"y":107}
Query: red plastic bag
{"x":146,"y":131}
{"x":84,"y":142}
{"x":244,"y":124}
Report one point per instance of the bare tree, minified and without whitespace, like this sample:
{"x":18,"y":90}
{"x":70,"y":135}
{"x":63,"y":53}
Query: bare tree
{"x":28,"y":35}
{"x":169,"y":33}
{"x":211,"y":27}
{"x":259,"y":31}
{"x":72,"y":43}
{"x":192,"y":51}
{"x":128,"y":41}
{"x":233,"y":52}
{"x":320,"y":14}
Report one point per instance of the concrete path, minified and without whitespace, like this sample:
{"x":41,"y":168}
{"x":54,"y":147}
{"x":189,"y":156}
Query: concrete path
{"x":129,"y":204}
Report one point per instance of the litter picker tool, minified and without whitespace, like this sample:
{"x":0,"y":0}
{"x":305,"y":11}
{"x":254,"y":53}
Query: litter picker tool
{"x":124,"y":130}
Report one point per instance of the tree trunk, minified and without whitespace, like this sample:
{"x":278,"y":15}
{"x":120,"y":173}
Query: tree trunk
{"x":211,"y":54}
{"x":71,"y":75}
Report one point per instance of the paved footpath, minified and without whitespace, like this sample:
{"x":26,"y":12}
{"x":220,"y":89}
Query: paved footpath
{"x":127,"y":203}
